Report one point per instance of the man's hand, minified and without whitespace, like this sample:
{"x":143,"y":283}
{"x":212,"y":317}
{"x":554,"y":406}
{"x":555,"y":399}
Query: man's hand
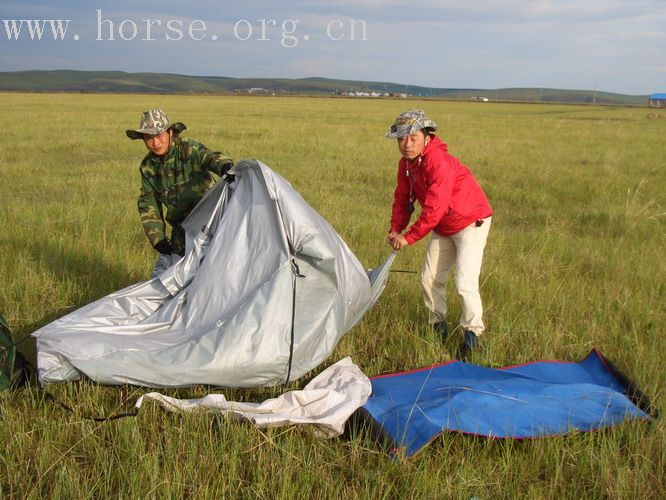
{"x":225,"y":171}
{"x":163,"y":247}
{"x":396,"y":240}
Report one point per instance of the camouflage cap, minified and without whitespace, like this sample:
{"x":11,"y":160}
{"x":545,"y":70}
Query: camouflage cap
{"x":154,"y":122}
{"x":409,"y":122}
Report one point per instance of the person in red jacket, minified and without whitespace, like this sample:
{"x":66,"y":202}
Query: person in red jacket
{"x":454,"y":210}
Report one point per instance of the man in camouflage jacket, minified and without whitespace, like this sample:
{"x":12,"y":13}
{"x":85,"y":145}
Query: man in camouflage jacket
{"x":175,"y":175}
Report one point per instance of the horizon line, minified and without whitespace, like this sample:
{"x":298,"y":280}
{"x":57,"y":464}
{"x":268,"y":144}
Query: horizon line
{"x":376,"y":82}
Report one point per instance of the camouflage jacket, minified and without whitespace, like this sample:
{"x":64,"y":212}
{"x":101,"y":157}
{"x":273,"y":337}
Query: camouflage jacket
{"x":176,"y":181}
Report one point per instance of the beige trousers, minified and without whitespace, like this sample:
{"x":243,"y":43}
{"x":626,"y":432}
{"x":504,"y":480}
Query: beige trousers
{"x":464,"y":252}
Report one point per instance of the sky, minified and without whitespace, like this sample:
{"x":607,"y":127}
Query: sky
{"x":604,"y":45}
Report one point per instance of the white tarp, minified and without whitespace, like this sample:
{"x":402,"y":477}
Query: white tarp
{"x":326,"y":402}
{"x":265,"y":291}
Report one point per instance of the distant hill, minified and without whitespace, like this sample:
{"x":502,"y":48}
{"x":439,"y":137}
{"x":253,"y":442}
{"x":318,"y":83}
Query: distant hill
{"x":166,"y":83}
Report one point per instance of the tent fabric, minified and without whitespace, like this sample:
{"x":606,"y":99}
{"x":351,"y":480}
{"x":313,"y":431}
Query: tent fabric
{"x":324,"y":404}
{"x":265,"y":291}
{"x":526,"y":401}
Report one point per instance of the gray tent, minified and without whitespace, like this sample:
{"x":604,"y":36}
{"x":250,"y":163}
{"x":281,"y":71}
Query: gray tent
{"x":263,"y":295}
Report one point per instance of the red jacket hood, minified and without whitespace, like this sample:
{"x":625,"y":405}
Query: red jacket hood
{"x":435,"y":143}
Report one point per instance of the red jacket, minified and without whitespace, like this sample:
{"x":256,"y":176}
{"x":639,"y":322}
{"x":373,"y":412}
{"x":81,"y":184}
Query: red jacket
{"x":448,"y":193}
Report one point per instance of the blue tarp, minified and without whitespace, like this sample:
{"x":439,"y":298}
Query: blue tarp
{"x":526,"y":401}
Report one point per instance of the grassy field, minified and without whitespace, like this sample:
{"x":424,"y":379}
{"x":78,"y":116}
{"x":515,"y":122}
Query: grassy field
{"x":575,"y":260}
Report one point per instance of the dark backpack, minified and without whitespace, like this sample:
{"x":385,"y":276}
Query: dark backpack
{"x":14,"y":369}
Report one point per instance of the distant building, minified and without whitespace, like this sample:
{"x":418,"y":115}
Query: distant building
{"x":657,"y":101}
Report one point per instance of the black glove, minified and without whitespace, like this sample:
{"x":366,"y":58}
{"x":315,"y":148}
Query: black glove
{"x":163,"y":247}
{"x":225,"y":171}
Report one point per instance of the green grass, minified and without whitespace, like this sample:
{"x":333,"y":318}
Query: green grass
{"x":575,"y":260}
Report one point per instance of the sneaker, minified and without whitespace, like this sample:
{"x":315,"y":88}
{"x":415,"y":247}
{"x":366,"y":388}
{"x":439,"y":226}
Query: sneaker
{"x":441,"y":330}
{"x":469,"y":343}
